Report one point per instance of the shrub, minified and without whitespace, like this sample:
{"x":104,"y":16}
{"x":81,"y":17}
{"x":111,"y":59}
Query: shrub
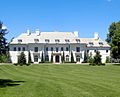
{"x":22,"y":59}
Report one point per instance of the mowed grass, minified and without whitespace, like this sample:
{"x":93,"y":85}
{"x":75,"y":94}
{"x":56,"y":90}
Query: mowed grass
{"x":61,"y":81}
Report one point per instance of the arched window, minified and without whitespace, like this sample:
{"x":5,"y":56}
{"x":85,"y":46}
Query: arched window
{"x":35,"y":58}
{"x":78,"y":58}
{"x":67,"y":58}
{"x":47,"y":58}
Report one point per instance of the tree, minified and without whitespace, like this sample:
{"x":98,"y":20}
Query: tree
{"x":91,"y":60}
{"x":113,"y":38}
{"x":72,"y":57}
{"x":97,"y":58}
{"x":3,"y":43}
{"x":29,"y":58}
{"x":22,"y":59}
{"x":107,"y":60}
{"x":52,"y":58}
{"x":63,"y":57}
{"x":42,"y":58}
{"x":85,"y":57}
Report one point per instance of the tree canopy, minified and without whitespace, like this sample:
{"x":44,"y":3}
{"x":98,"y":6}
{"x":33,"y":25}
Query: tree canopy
{"x":113,"y":38}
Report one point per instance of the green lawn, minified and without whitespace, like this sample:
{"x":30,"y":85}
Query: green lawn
{"x":60,"y":81}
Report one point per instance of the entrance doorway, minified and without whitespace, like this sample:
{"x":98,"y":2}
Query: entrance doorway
{"x":57,"y":60}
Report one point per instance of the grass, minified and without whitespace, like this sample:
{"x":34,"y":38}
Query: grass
{"x":59,"y":81}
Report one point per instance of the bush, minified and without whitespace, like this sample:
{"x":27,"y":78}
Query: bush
{"x":22,"y":59}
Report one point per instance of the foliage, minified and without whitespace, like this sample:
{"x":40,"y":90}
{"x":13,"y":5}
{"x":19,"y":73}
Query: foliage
{"x":3,"y":43}
{"x":22,"y":59}
{"x":42,"y":58}
{"x":91,"y":60}
{"x":85,"y":58}
{"x":113,"y":38}
{"x":72,"y":58}
{"x":29,"y":58}
{"x":51,"y":58}
{"x":107,"y":60}
{"x":97,"y":58}
{"x":63,"y":57}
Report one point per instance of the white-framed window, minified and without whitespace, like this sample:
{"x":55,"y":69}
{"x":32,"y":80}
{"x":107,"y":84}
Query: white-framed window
{"x":47,"y":58}
{"x":78,"y":40}
{"x":57,"y":40}
{"x":36,"y":49}
{"x":19,"y":40}
{"x":91,"y":43}
{"x":47,"y":40}
{"x":67,"y":58}
{"x":36,"y":40}
{"x":14,"y":49}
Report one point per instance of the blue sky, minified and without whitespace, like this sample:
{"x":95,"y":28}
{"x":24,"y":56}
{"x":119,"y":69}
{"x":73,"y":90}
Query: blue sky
{"x":85,"y":16}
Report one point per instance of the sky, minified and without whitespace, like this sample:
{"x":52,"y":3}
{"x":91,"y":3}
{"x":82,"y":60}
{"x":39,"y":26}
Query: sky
{"x":84,"y":16}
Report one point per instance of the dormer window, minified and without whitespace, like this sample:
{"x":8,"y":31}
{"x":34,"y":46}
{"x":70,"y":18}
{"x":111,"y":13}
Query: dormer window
{"x":67,"y":40}
{"x":19,"y":40}
{"x":78,"y":40}
{"x":57,"y":40}
{"x":91,"y":43}
{"x":47,"y":40}
{"x":100,"y":43}
{"x":36,"y":40}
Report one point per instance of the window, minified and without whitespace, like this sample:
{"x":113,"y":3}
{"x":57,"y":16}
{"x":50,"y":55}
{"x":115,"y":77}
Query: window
{"x":36,"y":49}
{"x":67,"y":58}
{"x":87,"y":51}
{"x":67,"y":49}
{"x":78,"y":40}
{"x":19,"y":40}
{"x":23,"y":48}
{"x":57,"y":40}
{"x":47,"y":58}
{"x":19,"y":48}
{"x":14,"y":48}
{"x":51,"y":48}
{"x":46,"y":48}
{"x":57,"y":49}
{"x":67,"y":40}
{"x":106,"y":51}
{"x":101,"y":43}
{"x":91,"y":43}
{"x":95,"y":51}
{"x":47,"y":40}
{"x":77,"y":49}
{"x":36,"y":40}
{"x":61,"y":48}
{"x":35,"y":58}
{"x":77,"y":58}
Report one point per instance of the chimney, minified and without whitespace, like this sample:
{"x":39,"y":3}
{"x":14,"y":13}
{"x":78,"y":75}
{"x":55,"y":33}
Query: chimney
{"x":96,"y":36}
{"x":76,"y":33}
{"x":28,"y":32}
{"x":37,"y":32}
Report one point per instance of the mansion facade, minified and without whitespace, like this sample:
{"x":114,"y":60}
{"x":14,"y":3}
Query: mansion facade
{"x":56,"y":45}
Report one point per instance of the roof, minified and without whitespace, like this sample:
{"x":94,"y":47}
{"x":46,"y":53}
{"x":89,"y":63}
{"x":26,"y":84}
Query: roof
{"x":54,"y":37}
{"x":42,"y":36}
{"x":94,"y":42}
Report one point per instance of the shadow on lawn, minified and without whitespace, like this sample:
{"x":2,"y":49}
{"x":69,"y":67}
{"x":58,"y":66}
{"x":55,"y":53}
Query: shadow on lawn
{"x":9,"y":82}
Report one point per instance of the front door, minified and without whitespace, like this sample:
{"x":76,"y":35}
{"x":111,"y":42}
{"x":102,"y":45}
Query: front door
{"x":57,"y":59}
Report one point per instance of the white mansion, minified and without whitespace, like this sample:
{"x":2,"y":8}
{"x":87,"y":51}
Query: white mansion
{"x":55,"y":44}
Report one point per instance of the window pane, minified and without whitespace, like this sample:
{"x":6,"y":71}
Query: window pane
{"x":46,"y":48}
{"x":77,"y":49}
{"x":23,"y":48}
{"x":51,"y":48}
{"x":19,"y":49}
{"x":14,"y":48}
{"x":36,"y":49}
{"x":57,"y":49}
{"x":61,"y":48}
{"x":67,"y":49}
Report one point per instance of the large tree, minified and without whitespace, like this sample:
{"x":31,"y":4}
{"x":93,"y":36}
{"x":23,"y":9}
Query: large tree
{"x":3,"y":43}
{"x":113,"y":38}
